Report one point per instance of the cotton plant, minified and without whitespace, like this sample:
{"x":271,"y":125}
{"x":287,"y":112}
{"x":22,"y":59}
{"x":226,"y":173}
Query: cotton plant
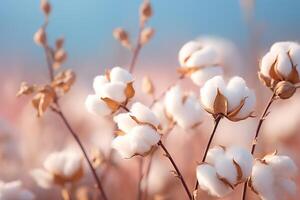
{"x":59,"y":168}
{"x":200,"y":62}
{"x":272,"y":177}
{"x":138,"y":131}
{"x":14,"y":190}
{"x":224,"y":169}
{"x":280,"y":67}
{"x":183,"y":109}
{"x":112,"y":91}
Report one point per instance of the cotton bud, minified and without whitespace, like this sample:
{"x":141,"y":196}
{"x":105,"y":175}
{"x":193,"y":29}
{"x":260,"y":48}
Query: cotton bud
{"x":145,"y":11}
{"x":272,"y":177}
{"x":184,"y":109}
{"x":122,"y":36}
{"x":224,"y":169}
{"x":59,"y":168}
{"x":40,"y":37}
{"x":138,"y":132}
{"x":284,"y":89}
{"x":200,"y":62}
{"x":60,"y":57}
{"x":147,"y":86}
{"x":59,"y":43}
{"x":45,"y":7}
{"x":235,"y":100}
{"x":26,"y":89}
{"x":281,"y":63}
{"x":112,"y":91}
{"x":146,"y":35}
{"x":14,"y":191}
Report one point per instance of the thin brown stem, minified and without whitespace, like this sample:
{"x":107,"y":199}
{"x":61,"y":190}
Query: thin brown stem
{"x":261,"y":120}
{"x":139,"y":190}
{"x":178,"y":173}
{"x":217,"y":121}
{"x":75,"y":136}
{"x":136,"y":50}
{"x":146,"y":176}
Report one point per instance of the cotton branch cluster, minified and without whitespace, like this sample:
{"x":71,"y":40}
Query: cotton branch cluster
{"x":224,"y":169}
{"x":272,"y":177}
{"x":280,"y":67}
{"x":235,"y":100}
{"x":59,"y":169}
{"x":112,"y":91}
{"x":138,"y":131}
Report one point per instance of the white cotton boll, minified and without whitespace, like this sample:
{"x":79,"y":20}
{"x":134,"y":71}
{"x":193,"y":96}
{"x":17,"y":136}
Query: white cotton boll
{"x":282,"y":166}
{"x":280,"y":47}
{"x":160,"y":112}
{"x":43,"y":178}
{"x":235,"y":92}
{"x":202,"y":75}
{"x":98,"y":83}
{"x":213,"y":154}
{"x":143,"y":138}
{"x":226,"y":169}
{"x":243,"y":158}
{"x":248,"y":106}
{"x":54,"y":163}
{"x":209,"y":181}
{"x":187,"y":50}
{"x":263,"y":180}
{"x":95,"y":105}
{"x":295,"y":56}
{"x":144,"y":114}
{"x":208,"y":92}
{"x":114,"y":91}
{"x":206,"y":56}
{"x":173,"y":100}
{"x":284,"y":65}
{"x":72,"y":164}
{"x":122,"y":145}
{"x":288,"y":186}
{"x":267,"y":62}
{"x":125,"y":122}
{"x":118,"y":74}
{"x":14,"y":191}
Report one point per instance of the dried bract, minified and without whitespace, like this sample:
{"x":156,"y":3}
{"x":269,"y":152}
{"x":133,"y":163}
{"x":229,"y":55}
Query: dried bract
{"x":40,"y":37}
{"x":284,"y":89}
{"x":64,"y":80}
{"x":43,"y":99}
{"x":26,"y":89}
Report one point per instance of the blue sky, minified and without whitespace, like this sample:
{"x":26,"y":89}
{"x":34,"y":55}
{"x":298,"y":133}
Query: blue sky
{"x":87,"y":27}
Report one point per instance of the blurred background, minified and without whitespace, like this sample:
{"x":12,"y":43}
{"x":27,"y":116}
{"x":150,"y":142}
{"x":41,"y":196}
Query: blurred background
{"x":250,"y":26}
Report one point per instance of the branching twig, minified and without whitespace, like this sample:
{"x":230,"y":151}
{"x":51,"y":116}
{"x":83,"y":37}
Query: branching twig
{"x":178,"y":173}
{"x":261,"y":120}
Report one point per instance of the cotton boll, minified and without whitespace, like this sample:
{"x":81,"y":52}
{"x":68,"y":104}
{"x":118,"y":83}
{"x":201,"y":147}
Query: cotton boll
{"x":72,"y":164}
{"x":280,"y":47}
{"x":288,"y":186}
{"x":262,"y":180}
{"x":125,"y":122}
{"x":283,"y":166}
{"x":118,"y":74}
{"x":160,"y":112}
{"x":96,"y":106}
{"x":235,"y":92}
{"x":209,"y":181}
{"x":226,"y":169}
{"x":213,"y":154}
{"x":14,"y":191}
{"x":114,"y":91}
{"x":284,"y":65}
{"x":200,"y":76}
{"x":243,"y":158}
{"x":187,"y":50}
{"x":122,"y":145}
{"x":295,"y":56}
{"x":206,"y":56}
{"x":98,"y":83}
{"x":173,"y":99}
{"x":43,"y":178}
{"x":144,"y":114}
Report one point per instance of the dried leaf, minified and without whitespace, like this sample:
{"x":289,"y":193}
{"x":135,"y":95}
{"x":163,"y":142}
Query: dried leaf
{"x":220,"y":104}
{"x":113,"y":105}
{"x":129,"y":90}
{"x":64,"y":80}
{"x":26,"y":89}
